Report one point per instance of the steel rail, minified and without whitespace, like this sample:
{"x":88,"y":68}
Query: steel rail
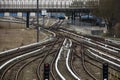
{"x":13,"y":59}
{"x":67,"y":60}
{"x":111,"y":62}
{"x":56,"y":62}
{"x":47,"y":54}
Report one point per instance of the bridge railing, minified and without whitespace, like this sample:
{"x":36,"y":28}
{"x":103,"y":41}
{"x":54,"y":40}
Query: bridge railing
{"x":85,"y":4}
{"x":32,"y":4}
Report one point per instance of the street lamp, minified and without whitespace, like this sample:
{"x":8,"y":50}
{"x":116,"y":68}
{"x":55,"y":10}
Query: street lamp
{"x":37,"y":21}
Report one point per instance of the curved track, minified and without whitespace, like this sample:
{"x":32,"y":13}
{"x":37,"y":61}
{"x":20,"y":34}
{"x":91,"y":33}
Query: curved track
{"x":80,"y":62}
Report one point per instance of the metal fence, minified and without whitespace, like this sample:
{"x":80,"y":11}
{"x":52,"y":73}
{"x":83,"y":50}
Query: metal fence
{"x":23,"y":4}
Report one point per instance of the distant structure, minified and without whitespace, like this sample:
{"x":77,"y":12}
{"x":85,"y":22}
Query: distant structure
{"x":48,"y":4}
{"x":29,"y":7}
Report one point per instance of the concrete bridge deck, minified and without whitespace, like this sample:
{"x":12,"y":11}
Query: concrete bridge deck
{"x":48,"y":10}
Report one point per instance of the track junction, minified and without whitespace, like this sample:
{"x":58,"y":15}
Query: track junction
{"x":71,"y":56}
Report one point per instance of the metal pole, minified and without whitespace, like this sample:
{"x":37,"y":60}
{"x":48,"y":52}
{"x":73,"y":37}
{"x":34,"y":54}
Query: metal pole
{"x":27,"y":19}
{"x":43,"y":21}
{"x":37,"y":20}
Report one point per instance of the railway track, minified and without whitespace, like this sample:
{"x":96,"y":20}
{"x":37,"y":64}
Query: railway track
{"x":9,"y":69}
{"x":79,"y":64}
{"x":86,"y":39}
{"x":48,"y":58}
{"x":24,"y":52}
{"x":46,"y":52}
{"x":102,"y":46}
{"x":64,"y":71}
{"x":66,"y":62}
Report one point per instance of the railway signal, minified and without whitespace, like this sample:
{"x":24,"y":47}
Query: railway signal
{"x":105,"y":71}
{"x":43,"y":12}
{"x":46,"y":71}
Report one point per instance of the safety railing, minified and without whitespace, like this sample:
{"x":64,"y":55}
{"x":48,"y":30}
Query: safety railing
{"x":31,"y":4}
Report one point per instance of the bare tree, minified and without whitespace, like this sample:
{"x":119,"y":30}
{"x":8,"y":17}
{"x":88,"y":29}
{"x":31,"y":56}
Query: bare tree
{"x":110,"y":11}
{"x":117,"y":30}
